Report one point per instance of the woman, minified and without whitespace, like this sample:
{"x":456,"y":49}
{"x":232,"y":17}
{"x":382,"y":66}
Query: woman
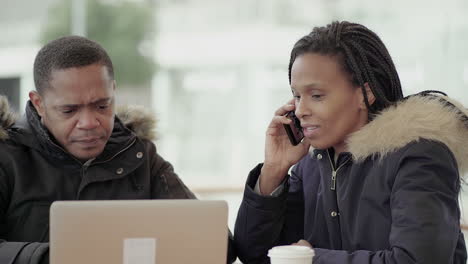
{"x":377,"y":176}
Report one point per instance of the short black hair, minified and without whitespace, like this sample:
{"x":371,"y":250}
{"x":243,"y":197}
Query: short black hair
{"x":362,"y":54}
{"x":68,"y":52}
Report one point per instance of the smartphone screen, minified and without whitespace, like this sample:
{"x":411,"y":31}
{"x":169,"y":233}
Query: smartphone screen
{"x":294,"y":130}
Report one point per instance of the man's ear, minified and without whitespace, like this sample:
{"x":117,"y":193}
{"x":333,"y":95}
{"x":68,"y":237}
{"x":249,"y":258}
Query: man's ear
{"x":37,"y":102}
{"x":370,"y":96}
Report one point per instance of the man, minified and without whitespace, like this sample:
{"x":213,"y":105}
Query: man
{"x":70,"y":145}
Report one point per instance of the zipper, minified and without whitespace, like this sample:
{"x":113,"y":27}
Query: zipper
{"x":335,"y":171}
{"x":104,"y":161}
{"x":84,"y":168}
{"x":88,"y":164}
{"x":122,"y":150}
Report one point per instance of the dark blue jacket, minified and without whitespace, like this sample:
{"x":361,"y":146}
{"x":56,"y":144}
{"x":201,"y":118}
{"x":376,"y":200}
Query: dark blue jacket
{"x":394,"y":200}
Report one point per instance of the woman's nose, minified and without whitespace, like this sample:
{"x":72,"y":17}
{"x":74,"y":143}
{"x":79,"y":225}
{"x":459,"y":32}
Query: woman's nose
{"x":301,"y":109}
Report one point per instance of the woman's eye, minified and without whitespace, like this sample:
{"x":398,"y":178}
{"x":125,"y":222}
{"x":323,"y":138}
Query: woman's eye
{"x":103,"y":106}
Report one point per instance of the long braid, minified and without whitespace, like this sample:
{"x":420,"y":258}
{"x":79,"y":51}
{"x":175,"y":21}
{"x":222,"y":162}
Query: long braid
{"x":369,"y":75}
{"x":358,"y":75}
{"x":375,"y":43}
{"x":363,"y":55}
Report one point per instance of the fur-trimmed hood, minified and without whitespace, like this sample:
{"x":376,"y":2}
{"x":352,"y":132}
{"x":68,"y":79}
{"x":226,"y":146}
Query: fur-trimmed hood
{"x":141,"y":121}
{"x":138,"y":119}
{"x":7,"y":117}
{"x":437,"y":118}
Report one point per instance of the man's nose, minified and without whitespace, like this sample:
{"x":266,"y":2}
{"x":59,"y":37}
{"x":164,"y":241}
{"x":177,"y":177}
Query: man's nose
{"x":88,"y":120}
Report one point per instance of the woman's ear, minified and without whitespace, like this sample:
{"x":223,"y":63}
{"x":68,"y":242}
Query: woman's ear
{"x":370,"y":96}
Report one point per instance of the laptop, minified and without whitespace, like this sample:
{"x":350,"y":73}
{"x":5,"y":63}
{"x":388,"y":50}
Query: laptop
{"x":138,"y":232}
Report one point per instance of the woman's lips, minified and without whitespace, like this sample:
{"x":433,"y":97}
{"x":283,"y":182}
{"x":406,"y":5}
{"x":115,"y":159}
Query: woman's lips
{"x":310,"y":130}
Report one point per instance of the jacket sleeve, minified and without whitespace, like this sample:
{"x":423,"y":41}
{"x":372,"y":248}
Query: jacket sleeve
{"x":165,"y":182}
{"x":425,"y":212}
{"x":17,"y":252}
{"x":266,"y":221}
{"x":24,"y":252}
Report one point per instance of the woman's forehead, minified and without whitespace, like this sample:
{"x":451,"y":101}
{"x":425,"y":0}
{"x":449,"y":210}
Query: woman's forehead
{"x":312,"y":70}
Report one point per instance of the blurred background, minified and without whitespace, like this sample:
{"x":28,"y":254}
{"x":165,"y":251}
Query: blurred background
{"x":213,"y":72}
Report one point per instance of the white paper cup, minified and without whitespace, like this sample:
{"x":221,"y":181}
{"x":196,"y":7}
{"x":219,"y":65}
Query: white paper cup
{"x":291,"y":255}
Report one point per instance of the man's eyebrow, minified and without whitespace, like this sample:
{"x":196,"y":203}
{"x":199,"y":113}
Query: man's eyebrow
{"x":68,"y":106}
{"x":99,"y":101}
{"x":103,"y":100}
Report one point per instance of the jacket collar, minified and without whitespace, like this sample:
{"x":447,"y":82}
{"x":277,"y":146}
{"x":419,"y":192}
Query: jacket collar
{"x":437,"y":118}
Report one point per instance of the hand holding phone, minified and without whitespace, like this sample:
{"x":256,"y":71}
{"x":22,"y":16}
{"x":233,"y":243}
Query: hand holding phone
{"x":294,"y":130}
{"x":284,"y":147}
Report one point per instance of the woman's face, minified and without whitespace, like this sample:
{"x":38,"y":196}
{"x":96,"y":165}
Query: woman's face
{"x":328,"y":105}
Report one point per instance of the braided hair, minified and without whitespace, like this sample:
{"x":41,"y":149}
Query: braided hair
{"x":361,"y":53}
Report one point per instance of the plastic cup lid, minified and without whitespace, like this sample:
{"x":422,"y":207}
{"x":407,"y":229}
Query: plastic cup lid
{"x":291,"y":251}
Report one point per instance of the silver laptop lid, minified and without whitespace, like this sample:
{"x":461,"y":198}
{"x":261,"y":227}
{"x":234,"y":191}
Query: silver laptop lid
{"x":138,"y":232}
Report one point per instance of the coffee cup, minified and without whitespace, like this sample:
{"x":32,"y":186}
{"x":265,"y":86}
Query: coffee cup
{"x":291,"y":254}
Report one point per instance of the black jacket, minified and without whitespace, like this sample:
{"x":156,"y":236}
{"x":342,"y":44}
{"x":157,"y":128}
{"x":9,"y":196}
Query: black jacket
{"x":35,"y":171}
{"x":394,"y":198}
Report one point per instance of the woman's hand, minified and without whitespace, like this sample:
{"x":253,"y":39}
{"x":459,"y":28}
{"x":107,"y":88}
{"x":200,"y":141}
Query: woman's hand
{"x":280,"y":154}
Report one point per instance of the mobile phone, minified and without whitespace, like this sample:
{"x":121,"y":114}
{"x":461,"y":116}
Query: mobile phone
{"x":294,"y":130}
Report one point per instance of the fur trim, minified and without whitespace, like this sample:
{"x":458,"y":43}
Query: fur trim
{"x":416,"y":118}
{"x":7,"y":117}
{"x":141,"y":121}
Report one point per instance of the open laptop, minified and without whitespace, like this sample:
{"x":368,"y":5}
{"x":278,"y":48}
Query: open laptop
{"x":138,"y":232}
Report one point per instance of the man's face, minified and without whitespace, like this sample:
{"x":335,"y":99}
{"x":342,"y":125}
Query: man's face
{"x":78,"y":109}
